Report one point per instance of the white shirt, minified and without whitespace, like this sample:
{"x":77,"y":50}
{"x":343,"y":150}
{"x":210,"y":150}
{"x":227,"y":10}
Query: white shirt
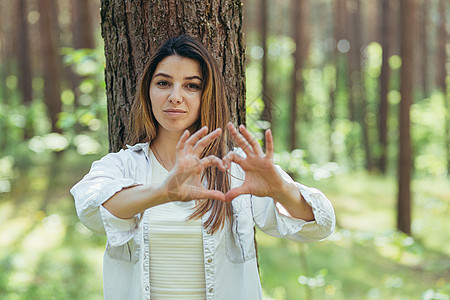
{"x":229,"y":254}
{"x":177,"y":270}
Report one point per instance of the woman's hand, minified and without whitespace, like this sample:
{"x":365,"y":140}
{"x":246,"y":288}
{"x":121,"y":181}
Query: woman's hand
{"x":184,"y":180}
{"x":261,"y":176}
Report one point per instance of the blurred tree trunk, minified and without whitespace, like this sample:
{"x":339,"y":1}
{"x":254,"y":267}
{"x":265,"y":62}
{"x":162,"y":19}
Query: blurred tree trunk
{"x":132,"y":32}
{"x":358,"y":101}
{"x":408,"y":21}
{"x":82,"y":29}
{"x":23,"y":52}
{"x":82,"y":38}
{"x":51,"y":62}
{"x":6,"y":57}
{"x":384,"y":84}
{"x":23,"y":58}
{"x":338,"y":61}
{"x":441,"y":72}
{"x":300,"y":12}
{"x":423,"y":59}
{"x":296,"y":15}
{"x":266,"y":114}
{"x":353,"y":57}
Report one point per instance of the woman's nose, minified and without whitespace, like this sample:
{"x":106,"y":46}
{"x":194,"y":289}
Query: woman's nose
{"x":176,"y":96}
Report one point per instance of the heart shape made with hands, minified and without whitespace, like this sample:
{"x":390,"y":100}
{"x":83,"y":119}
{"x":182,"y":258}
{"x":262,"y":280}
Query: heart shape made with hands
{"x":261,"y":176}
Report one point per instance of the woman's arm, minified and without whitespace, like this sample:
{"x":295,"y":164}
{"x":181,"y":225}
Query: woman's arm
{"x":133,"y":200}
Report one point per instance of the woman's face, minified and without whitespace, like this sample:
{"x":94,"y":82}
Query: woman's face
{"x":175,"y":93}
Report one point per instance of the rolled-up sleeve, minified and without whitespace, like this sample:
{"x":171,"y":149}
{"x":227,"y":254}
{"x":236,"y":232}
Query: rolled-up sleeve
{"x":274,"y":220}
{"x":106,"y":178}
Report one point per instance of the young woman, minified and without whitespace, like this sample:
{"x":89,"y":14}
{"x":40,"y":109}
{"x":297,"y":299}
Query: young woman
{"x":179,"y":206}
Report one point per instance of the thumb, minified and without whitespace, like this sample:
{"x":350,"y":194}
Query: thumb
{"x":233,"y":193}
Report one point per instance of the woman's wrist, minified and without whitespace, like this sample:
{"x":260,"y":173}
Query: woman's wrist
{"x":292,"y":200}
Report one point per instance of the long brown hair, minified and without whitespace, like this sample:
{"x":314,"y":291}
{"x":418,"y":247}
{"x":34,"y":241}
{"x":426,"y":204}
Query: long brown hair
{"x":213,"y":113}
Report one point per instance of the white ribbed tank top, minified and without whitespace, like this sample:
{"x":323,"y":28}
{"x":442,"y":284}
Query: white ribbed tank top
{"x":176,"y":247}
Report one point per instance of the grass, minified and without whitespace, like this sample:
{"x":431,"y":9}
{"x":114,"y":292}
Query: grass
{"x":46,"y":253}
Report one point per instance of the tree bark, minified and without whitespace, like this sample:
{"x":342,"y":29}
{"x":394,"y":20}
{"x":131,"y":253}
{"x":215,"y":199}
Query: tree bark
{"x":407,"y":19}
{"x":384,"y":84}
{"x":132,"y":30}
{"x":51,"y":61}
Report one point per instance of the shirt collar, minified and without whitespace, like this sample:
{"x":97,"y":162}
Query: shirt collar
{"x":139,"y":147}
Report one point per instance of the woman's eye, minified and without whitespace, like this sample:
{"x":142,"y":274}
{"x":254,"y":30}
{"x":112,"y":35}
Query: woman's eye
{"x":162,"y":83}
{"x":194,"y":86}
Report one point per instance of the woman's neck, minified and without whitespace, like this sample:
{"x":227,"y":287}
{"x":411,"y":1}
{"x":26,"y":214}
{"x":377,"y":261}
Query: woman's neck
{"x":165,"y":147}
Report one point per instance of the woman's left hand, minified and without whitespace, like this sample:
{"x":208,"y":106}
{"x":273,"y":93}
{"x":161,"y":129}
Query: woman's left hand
{"x":261,"y":177}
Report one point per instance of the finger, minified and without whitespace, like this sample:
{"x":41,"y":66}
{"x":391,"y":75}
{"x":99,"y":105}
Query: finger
{"x":211,"y":194}
{"x":232,"y":157}
{"x":269,"y":144}
{"x":233,"y":193}
{"x":251,"y":140}
{"x":197,"y":193}
{"x":212,"y":160}
{"x":196,"y":137}
{"x":240,"y":140}
{"x":182,"y":140}
{"x":201,"y":144}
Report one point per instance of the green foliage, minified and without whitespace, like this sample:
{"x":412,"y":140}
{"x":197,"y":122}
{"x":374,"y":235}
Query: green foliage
{"x":82,"y":122}
{"x":365,"y":258}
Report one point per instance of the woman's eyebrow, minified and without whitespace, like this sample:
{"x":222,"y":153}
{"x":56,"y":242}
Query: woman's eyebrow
{"x":163,"y":75}
{"x":193,"y":77}
{"x":186,"y":78}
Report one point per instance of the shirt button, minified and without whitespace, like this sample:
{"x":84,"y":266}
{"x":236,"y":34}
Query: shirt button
{"x":146,"y":288}
{"x":209,"y":260}
{"x":210,"y":290}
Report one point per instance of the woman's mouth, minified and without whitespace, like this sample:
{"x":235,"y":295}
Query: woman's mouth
{"x":174,"y":112}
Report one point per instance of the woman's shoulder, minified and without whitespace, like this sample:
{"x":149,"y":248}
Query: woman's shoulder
{"x":130,"y":153}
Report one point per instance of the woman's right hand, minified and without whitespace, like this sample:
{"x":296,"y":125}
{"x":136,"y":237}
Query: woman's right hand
{"x":184,"y":180}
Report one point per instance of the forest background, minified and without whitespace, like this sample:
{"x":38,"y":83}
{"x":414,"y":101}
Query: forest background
{"x":325,"y":75}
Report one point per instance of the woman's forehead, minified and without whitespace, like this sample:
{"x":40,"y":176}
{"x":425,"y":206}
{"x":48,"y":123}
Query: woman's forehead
{"x":175,"y":65}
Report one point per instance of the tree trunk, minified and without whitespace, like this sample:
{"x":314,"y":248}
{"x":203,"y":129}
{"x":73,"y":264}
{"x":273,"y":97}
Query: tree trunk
{"x":82,"y":38}
{"x":23,"y":52}
{"x":424,"y":47}
{"x":353,"y":57}
{"x":357,"y":99}
{"x":407,"y":18}
{"x":384,"y":85}
{"x":441,"y":72}
{"x":82,"y":29}
{"x":295,"y":72}
{"x":338,"y":61}
{"x":132,"y":30}
{"x":51,"y":61}
{"x":23,"y":57}
{"x":267,"y":111}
